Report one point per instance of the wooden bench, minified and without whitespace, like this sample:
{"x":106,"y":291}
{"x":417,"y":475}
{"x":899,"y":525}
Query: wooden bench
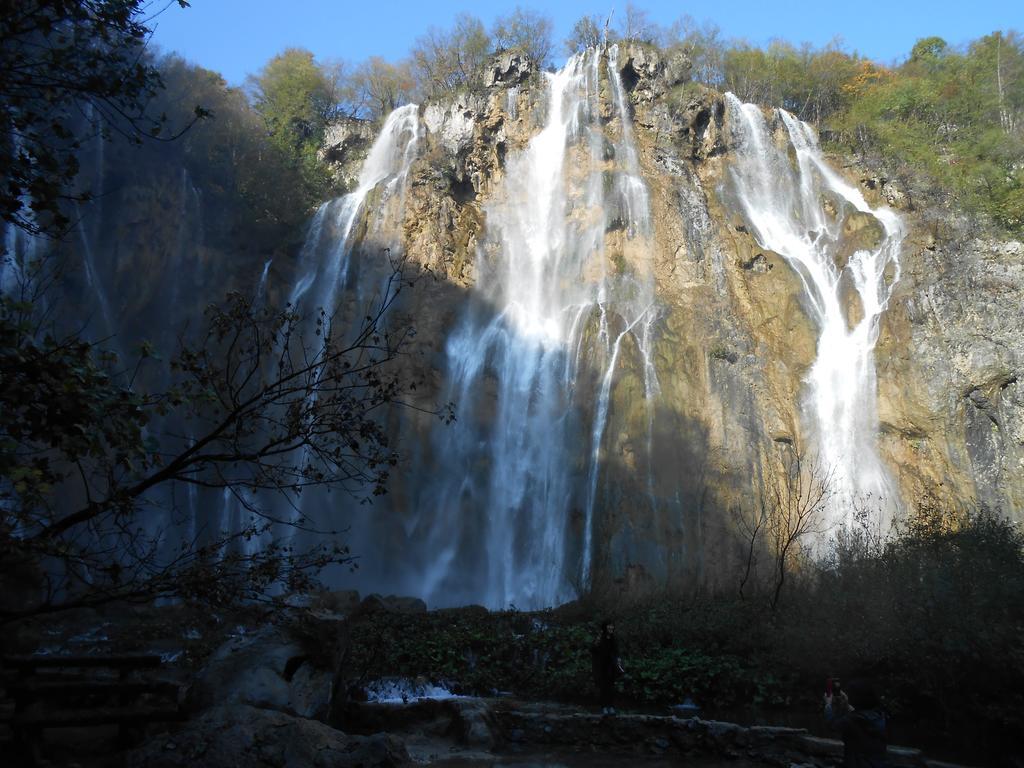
{"x":57,"y":691}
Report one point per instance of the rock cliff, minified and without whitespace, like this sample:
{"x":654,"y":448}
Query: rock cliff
{"x":734,"y":339}
{"x":674,"y":419}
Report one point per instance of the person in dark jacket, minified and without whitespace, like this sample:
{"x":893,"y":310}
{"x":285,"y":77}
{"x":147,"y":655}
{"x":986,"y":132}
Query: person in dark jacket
{"x":607,"y":667}
{"x":859,"y":717}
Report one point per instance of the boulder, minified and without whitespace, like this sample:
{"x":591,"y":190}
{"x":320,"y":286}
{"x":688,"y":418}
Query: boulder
{"x":267,"y":670}
{"x":340,"y":602}
{"x":235,"y":735}
{"x":392,"y":604}
{"x":473,"y":723}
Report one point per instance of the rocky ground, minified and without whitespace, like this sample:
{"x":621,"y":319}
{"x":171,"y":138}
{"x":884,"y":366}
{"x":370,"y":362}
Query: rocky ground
{"x":271,"y":690}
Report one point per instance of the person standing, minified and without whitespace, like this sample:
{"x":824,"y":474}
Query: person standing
{"x":606,"y":666}
{"x":858,"y":715}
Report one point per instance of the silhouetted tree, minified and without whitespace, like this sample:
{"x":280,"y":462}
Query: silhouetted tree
{"x":65,"y":66}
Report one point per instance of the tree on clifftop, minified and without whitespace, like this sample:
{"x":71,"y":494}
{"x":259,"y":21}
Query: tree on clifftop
{"x":297,"y":98}
{"x":525,"y":32}
{"x":382,"y":86}
{"x":447,"y":61}
{"x":586,"y":33}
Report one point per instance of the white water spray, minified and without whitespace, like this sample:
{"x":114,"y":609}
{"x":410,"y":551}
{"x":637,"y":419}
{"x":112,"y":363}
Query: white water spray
{"x":497,"y":525}
{"x":325,"y":256}
{"x":784,"y":203}
{"x":324,"y":260}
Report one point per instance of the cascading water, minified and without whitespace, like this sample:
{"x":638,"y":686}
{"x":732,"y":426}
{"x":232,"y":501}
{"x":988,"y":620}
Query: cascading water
{"x":95,"y":280}
{"x":88,"y":225}
{"x":261,"y":287}
{"x":785,"y":204}
{"x":324,"y":260}
{"x":20,"y":250}
{"x":495,"y":526}
{"x":325,"y":256}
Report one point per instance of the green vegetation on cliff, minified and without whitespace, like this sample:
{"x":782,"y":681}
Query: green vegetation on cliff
{"x":297,"y":98}
{"x":955,"y":116}
{"x":958,"y":116}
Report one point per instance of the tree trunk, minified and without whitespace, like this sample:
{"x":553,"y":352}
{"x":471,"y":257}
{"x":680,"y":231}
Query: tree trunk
{"x":1004,"y":116}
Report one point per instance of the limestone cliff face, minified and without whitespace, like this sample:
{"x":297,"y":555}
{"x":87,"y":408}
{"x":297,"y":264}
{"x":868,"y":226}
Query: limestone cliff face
{"x":950,"y":359}
{"x":734,"y":340}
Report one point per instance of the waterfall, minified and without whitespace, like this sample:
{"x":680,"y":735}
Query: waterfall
{"x":324,"y":259}
{"x":784,"y":202}
{"x":325,"y":255}
{"x":512,"y":102}
{"x":95,"y":280}
{"x":90,"y":236}
{"x":261,"y":288}
{"x":496,"y":526}
{"x":21,"y":249}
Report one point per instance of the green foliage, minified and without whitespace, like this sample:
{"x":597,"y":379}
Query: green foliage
{"x":59,"y":401}
{"x":80,"y":477}
{"x":933,"y":616}
{"x":476,"y":651}
{"x":928,"y":51}
{"x":297,"y":99}
{"x":958,"y":117}
{"x":938,"y":612}
{"x":952,"y":118}
{"x":804,"y":81}
{"x":256,"y":188}
{"x":547,"y":656}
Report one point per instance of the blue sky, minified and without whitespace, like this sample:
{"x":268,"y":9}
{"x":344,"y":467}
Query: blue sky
{"x":236,"y":37}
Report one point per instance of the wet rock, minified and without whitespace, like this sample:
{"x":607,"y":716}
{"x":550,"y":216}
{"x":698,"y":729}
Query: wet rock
{"x":473,"y":723}
{"x":677,"y":69}
{"x":268,"y":670}
{"x":345,"y":144}
{"x":889,"y":190}
{"x":647,"y":73}
{"x":756,"y":263}
{"x":860,"y":232}
{"x":453,"y":123}
{"x":230,"y":736}
{"x":952,"y":357}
